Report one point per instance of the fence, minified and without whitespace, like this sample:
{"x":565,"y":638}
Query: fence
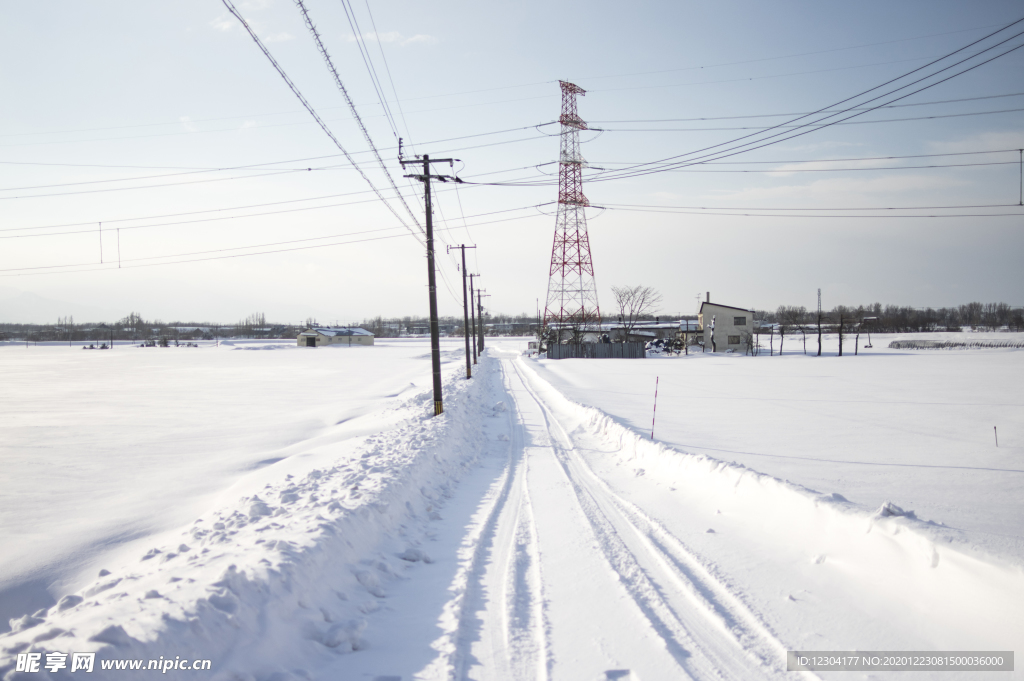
{"x":597,"y":351}
{"x":952,"y":345}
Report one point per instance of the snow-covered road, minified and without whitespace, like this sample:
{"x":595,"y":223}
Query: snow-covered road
{"x":583,"y":584}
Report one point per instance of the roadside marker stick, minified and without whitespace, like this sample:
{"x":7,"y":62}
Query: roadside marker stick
{"x":654,"y":416}
{"x":997,"y":435}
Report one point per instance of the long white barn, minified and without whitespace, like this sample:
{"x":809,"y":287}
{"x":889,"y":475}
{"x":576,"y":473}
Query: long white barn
{"x":328,"y":335}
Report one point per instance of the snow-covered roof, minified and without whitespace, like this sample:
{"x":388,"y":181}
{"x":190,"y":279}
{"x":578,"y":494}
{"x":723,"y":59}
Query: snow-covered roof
{"x":728,"y":307}
{"x":336,"y":331}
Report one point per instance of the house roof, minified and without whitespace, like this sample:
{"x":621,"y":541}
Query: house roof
{"x":336,"y":331}
{"x":727,"y":307}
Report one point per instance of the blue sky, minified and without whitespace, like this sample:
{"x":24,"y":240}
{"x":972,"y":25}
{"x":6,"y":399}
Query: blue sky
{"x":117,"y":96}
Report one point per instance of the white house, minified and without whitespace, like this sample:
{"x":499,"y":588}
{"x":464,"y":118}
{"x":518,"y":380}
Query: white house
{"x":728,"y":327}
{"x":311,"y":338}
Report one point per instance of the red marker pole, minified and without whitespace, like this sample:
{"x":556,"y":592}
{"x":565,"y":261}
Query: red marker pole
{"x":655,"y":415}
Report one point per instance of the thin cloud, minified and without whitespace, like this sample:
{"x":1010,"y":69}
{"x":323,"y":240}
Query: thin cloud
{"x":793,"y":168}
{"x":225,"y":22}
{"x":420,"y":38}
{"x":396,"y":37}
{"x":868,"y":190}
{"x":985,"y":141}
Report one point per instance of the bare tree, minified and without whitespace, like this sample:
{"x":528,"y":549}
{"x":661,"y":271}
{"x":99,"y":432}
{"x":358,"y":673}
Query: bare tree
{"x":792,"y":317}
{"x":819,"y":333}
{"x":634,"y":302}
{"x":842,"y":314}
{"x":578,"y":323}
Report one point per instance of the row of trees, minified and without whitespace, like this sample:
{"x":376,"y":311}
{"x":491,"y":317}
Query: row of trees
{"x":904,"y":319}
{"x":134,"y":327}
{"x":633,"y":304}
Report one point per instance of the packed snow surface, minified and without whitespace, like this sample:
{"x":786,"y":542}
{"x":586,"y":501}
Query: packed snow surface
{"x":299,"y":514}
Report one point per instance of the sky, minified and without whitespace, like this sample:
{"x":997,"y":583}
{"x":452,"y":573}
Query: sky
{"x":153,"y":160}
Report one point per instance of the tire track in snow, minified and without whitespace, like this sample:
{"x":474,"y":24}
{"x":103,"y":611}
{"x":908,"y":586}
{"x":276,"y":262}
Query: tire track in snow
{"x":675,"y":592}
{"x":513,"y":638}
{"x":525,"y":628}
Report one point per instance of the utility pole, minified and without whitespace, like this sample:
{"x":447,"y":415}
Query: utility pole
{"x":472,"y":313}
{"x":819,"y":322}
{"x":465,"y":305}
{"x":435,"y":340}
{"x":480,"y":301}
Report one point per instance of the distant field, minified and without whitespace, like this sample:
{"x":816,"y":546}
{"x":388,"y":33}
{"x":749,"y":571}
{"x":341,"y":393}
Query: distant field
{"x":914,"y":427}
{"x":101,"y":449}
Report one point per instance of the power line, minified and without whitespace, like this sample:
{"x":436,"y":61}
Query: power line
{"x":955,"y":207}
{"x":838,"y":160}
{"x":698,"y":211}
{"x":850,"y":170}
{"x":217,"y":210}
{"x":836,"y":209}
{"x":267,"y":163}
{"x":776,"y":127}
{"x":231,"y":217}
{"x":799,"y":215}
{"x":268,"y":174}
{"x":387,"y":68}
{"x":186,"y":222}
{"x":726,"y":118}
{"x":239,"y":255}
{"x":791,"y":56}
{"x":154,"y":177}
{"x":157,"y":186}
{"x":368,"y":62}
{"x":312,"y":112}
{"x":818,"y":124}
{"x":352,"y":107}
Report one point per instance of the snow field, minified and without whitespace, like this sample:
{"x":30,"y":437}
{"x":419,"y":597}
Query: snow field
{"x":535,"y":532}
{"x":289,"y":570}
{"x":819,"y":571}
{"x":914,"y":427}
{"x":103,"y":450}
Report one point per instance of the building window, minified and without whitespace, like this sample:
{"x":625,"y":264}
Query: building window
{"x":734,"y":340}
{"x":739,"y":321}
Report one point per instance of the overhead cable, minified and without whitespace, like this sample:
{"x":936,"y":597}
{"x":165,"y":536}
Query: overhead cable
{"x":646,"y":168}
{"x":90,"y":267}
{"x":368,"y":62}
{"x":313,"y":113}
{"x":352,"y":107}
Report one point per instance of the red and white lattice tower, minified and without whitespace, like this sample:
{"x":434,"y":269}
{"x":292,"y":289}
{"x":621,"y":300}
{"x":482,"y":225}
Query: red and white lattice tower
{"x":572,"y":291}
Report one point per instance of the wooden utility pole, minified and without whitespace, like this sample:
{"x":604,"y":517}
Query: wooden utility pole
{"x":465,"y":306}
{"x":480,"y":303}
{"x":819,"y":322}
{"x":435,"y":337}
{"x":472,"y":313}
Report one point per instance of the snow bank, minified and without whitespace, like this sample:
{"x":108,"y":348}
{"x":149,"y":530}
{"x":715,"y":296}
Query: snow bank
{"x":887,"y":556}
{"x":280,"y":579}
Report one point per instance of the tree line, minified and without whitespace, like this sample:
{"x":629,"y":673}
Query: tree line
{"x":633,"y":304}
{"x":904,"y":319}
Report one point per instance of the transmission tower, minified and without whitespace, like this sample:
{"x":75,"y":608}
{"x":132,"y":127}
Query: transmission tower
{"x":572,"y":291}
